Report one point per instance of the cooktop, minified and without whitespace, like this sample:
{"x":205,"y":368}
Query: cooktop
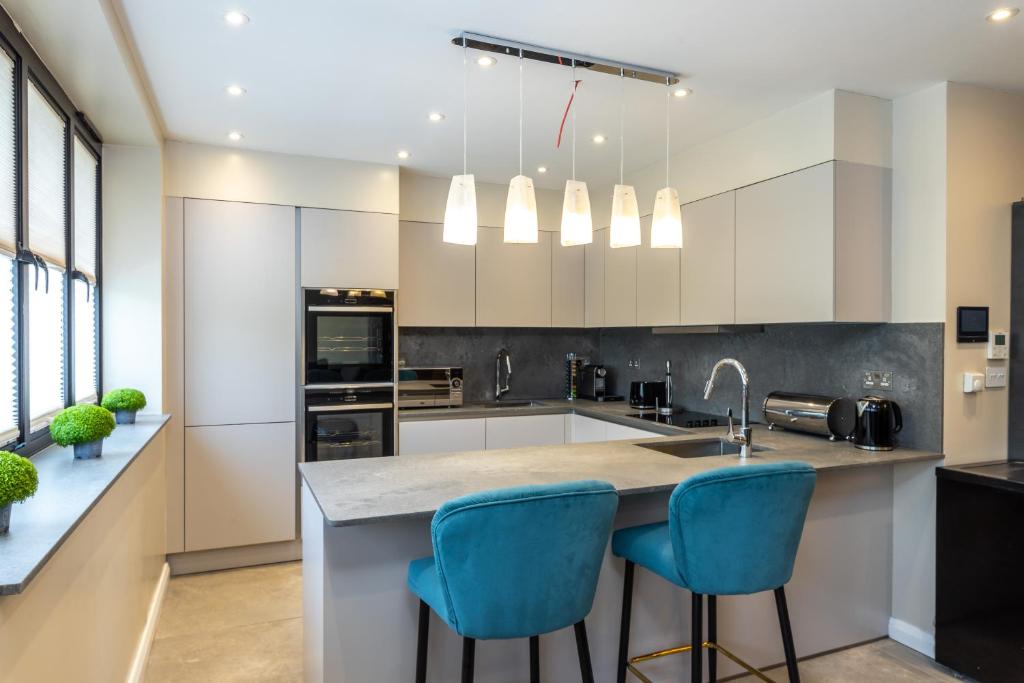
{"x":683,"y":418}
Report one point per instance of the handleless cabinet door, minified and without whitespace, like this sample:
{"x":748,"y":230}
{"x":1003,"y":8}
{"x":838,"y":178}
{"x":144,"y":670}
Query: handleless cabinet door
{"x":438,"y":280}
{"x":349,"y":249}
{"x":657,"y":282}
{"x":239,"y":485}
{"x":593,"y":278}
{"x":441,"y":436}
{"x":567,"y":284}
{"x":785,"y":237}
{"x":619,"y":285}
{"x":709,"y":261}
{"x":239,"y":313}
{"x":513,"y":281}
{"x":525,"y":430}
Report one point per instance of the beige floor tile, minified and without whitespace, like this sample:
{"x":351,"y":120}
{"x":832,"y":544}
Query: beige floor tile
{"x":217,"y":600}
{"x":270,"y":652}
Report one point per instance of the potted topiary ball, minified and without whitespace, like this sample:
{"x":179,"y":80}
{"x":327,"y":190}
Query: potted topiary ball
{"x":18,"y":481}
{"x":84,"y":427}
{"x":124,"y":403}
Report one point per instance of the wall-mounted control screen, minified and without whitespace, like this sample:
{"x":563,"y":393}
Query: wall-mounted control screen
{"x":998,"y":345}
{"x":972,"y":324}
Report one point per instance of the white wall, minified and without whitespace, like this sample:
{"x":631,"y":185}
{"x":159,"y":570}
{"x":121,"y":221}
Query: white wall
{"x":132,"y":297}
{"x":233,"y":174}
{"x":919,"y":207}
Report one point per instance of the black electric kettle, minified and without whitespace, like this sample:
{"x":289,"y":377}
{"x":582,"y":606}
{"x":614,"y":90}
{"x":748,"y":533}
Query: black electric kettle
{"x":878,"y":422}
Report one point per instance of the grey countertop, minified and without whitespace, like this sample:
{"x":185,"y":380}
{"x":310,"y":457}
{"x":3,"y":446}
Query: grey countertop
{"x":68,"y":490}
{"x":353,"y":492}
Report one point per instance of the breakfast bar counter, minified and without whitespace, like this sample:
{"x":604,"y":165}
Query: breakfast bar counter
{"x":364,"y":520}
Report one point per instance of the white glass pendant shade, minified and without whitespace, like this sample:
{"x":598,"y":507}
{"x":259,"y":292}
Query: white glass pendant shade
{"x":521,"y":212}
{"x":577,"y":225}
{"x":667,"y":222}
{"x":625,"y":228}
{"x":460,"y":212}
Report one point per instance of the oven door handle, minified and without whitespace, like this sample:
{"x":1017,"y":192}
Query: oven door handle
{"x":348,"y":408}
{"x":350,"y":309}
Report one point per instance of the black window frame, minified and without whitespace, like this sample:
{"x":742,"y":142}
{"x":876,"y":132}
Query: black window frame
{"x":29,"y":67}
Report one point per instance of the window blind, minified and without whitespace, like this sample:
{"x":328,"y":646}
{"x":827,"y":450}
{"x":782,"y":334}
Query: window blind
{"x":46,"y":177}
{"x":8,"y":196}
{"x":86,"y":168}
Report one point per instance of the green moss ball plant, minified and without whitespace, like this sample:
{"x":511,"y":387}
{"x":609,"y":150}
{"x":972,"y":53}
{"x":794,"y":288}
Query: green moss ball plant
{"x":84,"y":427}
{"x":124,"y":403}
{"x":18,"y":481}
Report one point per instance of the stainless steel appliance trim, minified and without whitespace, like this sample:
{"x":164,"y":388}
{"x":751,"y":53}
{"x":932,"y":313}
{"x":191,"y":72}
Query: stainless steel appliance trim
{"x":350,"y":385}
{"x":351,"y":407}
{"x":350,"y":309}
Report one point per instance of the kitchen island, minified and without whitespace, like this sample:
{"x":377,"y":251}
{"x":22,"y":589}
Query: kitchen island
{"x":364,"y":520}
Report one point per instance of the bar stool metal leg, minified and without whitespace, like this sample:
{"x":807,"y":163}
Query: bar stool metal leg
{"x":712,"y":638}
{"x":696,"y":637}
{"x":627,"y":608}
{"x":787,"y":635}
{"x":421,"y":643}
{"x":583,"y":649}
{"x":535,"y":659}
{"x":468,"y":653}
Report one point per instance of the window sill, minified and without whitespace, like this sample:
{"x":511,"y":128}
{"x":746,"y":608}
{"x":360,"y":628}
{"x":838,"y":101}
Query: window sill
{"x":68,"y":491}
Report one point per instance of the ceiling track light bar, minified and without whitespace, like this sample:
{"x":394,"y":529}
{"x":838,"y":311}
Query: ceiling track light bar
{"x":511,"y":48}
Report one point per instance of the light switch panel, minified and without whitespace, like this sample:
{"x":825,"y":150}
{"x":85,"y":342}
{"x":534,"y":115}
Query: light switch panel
{"x":995,"y":377}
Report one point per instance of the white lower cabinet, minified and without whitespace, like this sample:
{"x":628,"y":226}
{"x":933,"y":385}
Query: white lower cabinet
{"x":525,"y":430}
{"x":441,"y":436}
{"x":617,"y":432}
{"x":239,"y":485}
{"x":580,"y":429}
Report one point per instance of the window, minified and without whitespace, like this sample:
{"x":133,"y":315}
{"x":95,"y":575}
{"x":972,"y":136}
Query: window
{"x":50,"y":232}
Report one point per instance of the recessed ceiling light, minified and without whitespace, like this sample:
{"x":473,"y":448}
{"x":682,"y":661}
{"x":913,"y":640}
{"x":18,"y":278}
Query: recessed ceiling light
{"x":235,"y":136}
{"x":236,"y":18}
{"x":599,"y":139}
{"x":403,"y":154}
{"x":542,"y":169}
{"x":435,"y":116}
{"x":682,"y":92}
{"x":235,"y":90}
{"x":1003,"y":14}
{"x":486,"y":60}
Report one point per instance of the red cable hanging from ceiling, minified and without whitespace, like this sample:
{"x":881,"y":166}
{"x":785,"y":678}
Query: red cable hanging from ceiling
{"x":565,"y":115}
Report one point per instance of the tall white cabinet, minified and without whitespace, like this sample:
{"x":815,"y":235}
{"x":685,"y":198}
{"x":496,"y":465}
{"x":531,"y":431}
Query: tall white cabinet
{"x":239,"y":373}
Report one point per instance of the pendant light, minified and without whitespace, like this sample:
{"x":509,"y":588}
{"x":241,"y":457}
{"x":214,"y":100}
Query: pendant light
{"x":460,"y":222}
{"x":521,"y":205}
{"x":625,"y":227}
{"x":667,"y":222}
{"x":577,"y":224}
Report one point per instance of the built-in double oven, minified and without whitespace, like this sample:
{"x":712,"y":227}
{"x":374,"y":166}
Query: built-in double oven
{"x":348,"y":374}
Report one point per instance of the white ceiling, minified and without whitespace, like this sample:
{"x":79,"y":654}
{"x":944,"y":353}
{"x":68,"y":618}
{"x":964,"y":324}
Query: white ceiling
{"x":356,"y":80}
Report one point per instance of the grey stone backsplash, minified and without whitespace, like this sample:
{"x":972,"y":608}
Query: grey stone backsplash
{"x":824,"y":359}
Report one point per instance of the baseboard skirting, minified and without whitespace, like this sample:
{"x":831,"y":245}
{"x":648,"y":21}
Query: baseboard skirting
{"x":233,"y":558}
{"x":912,"y":636}
{"x":138,"y":669}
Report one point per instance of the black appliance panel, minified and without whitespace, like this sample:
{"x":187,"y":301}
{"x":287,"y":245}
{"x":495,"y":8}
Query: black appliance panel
{"x":345,"y":424}
{"x":349,"y":337}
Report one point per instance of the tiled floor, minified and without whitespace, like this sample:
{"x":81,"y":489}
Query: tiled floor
{"x":245,"y":625}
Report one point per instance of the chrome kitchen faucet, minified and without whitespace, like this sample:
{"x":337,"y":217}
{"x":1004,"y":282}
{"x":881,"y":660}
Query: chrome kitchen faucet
{"x":744,"y":437}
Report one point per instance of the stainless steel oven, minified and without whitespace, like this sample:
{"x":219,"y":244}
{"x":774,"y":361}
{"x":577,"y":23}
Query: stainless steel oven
{"x":348,"y":337}
{"x":357,"y":421}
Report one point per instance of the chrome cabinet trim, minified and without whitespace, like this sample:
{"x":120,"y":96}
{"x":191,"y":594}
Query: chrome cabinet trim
{"x":351,"y":407}
{"x":349,"y":385}
{"x":350,"y":309}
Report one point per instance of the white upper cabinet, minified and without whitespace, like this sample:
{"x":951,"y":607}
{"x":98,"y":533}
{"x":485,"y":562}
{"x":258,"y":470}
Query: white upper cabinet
{"x":438,"y":280}
{"x":785,"y":248}
{"x":567,"y":284}
{"x":239,"y":313}
{"x":349,"y":249}
{"x":594,"y":280}
{"x":657,"y":282}
{"x":619,"y":284}
{"x":513,"y":281}
{"x":709,"y":261}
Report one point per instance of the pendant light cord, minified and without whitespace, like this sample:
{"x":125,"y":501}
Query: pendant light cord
{"x":622,"y":126}
{"x":574,"y":121}
{"x":668,"y":127}
{"x":520,"y":111}
{"x":465,"y":105}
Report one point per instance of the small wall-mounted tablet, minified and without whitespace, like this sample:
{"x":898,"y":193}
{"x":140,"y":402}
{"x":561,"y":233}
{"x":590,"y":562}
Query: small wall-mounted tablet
{"x":972,"y":324}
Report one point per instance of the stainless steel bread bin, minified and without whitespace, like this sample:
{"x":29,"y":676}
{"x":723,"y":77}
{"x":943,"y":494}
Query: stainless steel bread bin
{"x":824,"y":415}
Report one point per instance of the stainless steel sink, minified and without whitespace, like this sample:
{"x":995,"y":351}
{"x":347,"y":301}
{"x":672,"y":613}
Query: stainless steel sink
{"x":697,"y":449}
{"x":503,"y":404}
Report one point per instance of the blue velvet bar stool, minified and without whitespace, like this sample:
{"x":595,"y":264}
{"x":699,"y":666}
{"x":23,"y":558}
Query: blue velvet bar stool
{"x":731,"y":531}
{"x":515,"y":563}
